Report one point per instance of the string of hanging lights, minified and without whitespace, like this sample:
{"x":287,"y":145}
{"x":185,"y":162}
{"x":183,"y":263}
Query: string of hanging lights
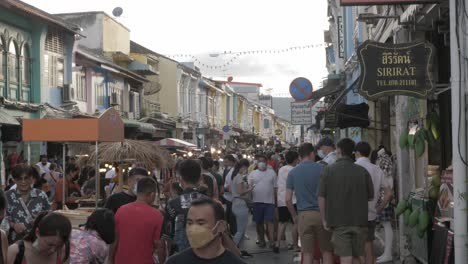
{"x":235,"y":55}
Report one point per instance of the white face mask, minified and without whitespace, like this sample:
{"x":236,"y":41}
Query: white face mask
{"x":321,"y":154}
{"x":262,"y":166}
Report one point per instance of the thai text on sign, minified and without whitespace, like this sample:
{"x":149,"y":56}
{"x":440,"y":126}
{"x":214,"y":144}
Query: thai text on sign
{"x":301,"y":113}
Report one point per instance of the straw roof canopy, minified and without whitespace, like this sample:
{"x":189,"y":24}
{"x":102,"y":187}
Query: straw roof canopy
{"x":137,"y":151}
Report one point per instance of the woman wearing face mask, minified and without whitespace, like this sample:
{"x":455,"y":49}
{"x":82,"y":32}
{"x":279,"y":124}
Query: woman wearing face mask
{"x":46,"y":243}
{"x":24,"y":202}
{"x":239,"y":189}
{"x":90,"y":244}
{"x":72,"y":189}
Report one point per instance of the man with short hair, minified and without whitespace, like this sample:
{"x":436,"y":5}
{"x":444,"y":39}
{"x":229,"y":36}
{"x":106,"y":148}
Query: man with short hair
{"x":209,"y":179}
{"x":206,"y":230}
{"x":284,"y":216}
{"x":177,"y":208}
{"x":326,"y":151}
{"x":138,"y":227}
{"x":229,"y":166}
{"x":116,"y":200}
{"x":363,"y":151}
{"x":345,"y":189}
{"x":304,"y":180}
{"x":264,"y":192}
{"x":44,"y":165}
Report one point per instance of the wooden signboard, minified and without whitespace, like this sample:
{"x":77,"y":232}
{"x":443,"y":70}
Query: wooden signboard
{"x":396,"y":69}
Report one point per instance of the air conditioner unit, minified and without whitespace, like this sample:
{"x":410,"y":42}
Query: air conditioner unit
{"x":113,"y":99}
{"x":68,"y":93}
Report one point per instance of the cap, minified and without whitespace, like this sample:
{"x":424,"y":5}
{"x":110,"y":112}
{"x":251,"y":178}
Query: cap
{"x":326,"y":141}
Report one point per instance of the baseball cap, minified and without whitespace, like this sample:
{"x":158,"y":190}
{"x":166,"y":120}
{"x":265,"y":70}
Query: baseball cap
{"x":325,"y":142}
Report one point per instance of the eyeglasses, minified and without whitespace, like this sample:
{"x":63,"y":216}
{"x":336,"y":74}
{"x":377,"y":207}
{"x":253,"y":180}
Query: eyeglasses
{"x":24,"y":178}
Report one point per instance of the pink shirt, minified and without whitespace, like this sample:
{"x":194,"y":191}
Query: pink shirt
{"x":138,"y":227}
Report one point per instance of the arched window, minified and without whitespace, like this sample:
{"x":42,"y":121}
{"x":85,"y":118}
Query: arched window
{"x":13,"y":63}
{"x":25,"y":66}
{"x":2,"y":60}
{"x":25,"y":73}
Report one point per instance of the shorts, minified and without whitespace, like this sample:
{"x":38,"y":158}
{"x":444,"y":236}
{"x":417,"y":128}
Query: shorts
{"x":370,"y":231}
{"x":263,"y":212}
{"x":309,"y":225}
{"x":325,"y":238}
{"x":284,"y":216}
{"x":349,"y":241}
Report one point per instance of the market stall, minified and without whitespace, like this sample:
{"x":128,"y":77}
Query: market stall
{"x":108,"y":127}
{"x":145,"y":153}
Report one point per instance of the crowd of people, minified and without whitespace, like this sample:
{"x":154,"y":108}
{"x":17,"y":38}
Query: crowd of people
{"x":328,"y":198}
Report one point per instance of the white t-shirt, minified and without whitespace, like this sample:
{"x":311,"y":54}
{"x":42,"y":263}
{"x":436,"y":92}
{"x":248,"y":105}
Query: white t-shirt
{"x":43,"y":168}
{"x":282,"y":179}
{"x":111,"y":174}
{"x":378,"y":181}
{"x":264,"y":183}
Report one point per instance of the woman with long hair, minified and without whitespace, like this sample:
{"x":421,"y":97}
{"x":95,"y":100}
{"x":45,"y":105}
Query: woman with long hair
{"x":240,"y":190}
{"x":90,"y":244}
{"x":48,"y":242}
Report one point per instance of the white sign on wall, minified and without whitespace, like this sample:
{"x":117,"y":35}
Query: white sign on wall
{"x":301,"y":113}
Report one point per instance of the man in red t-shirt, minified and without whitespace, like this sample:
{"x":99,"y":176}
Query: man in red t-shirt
{"x":138,"y":226}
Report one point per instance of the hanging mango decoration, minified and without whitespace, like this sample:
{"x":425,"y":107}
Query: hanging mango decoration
{"x":433,"y":124}
{"x":406,"y":216}
{"x":419,"y":143}
{"x":404,"y":140}
{"x":424,"y":220}
{"x":401,"y":207}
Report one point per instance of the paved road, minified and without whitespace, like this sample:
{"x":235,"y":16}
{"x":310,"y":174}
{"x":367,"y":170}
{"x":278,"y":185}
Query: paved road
{"x":265,"y":256}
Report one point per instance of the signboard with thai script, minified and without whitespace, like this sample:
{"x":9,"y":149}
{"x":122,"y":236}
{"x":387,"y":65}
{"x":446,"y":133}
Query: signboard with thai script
{"x":301,"y":113}
{"x":396,"y":69}
{"x":385,"y":2}
{"x":340,"y":37}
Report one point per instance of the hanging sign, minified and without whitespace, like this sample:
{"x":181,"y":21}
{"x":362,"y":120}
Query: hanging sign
{"x":340,"y":37}
{"x":301,"y":113}
{"x":396,"y":69}
{"x":385,"y":2}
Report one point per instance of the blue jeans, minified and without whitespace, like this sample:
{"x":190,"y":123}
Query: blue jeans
{"x":241,"y":211}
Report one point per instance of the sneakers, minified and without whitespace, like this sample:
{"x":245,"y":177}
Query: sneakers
{"x":261,"y":244}
{"x":245,"y":254}
{"x":276,"y":249}
{"x":384,"y":259}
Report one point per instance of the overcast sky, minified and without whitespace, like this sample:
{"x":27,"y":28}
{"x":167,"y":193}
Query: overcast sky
{"x":203,"y":27}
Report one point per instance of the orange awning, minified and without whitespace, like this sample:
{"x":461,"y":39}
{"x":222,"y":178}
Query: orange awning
{"x":109,"y":127}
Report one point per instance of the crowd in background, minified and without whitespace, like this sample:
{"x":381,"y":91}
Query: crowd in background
{"x":326,"y":198}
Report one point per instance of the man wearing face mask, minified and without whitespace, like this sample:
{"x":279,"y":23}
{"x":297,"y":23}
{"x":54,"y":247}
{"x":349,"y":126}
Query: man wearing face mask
{"x":264,"y":183}
{"x":326,"y":151}
{"x":138,"y":227}
{"x":115,"y":201}
{"x":177,"y":208}
{"x":205,"y":229}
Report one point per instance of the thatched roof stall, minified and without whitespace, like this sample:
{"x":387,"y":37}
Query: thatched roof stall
{"x":138,"y":151}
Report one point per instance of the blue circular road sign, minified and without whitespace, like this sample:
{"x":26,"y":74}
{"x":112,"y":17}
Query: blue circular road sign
{"x":301,"y":89}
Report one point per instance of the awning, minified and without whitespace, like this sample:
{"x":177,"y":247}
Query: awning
{"x":333,"y":85}
{"x":146,"y":128}
{"x":6,"y":119}
{"x":174,"y":143}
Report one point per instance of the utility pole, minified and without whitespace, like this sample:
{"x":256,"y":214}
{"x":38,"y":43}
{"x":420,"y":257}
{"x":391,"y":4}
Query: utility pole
{"x":458,"y":88}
